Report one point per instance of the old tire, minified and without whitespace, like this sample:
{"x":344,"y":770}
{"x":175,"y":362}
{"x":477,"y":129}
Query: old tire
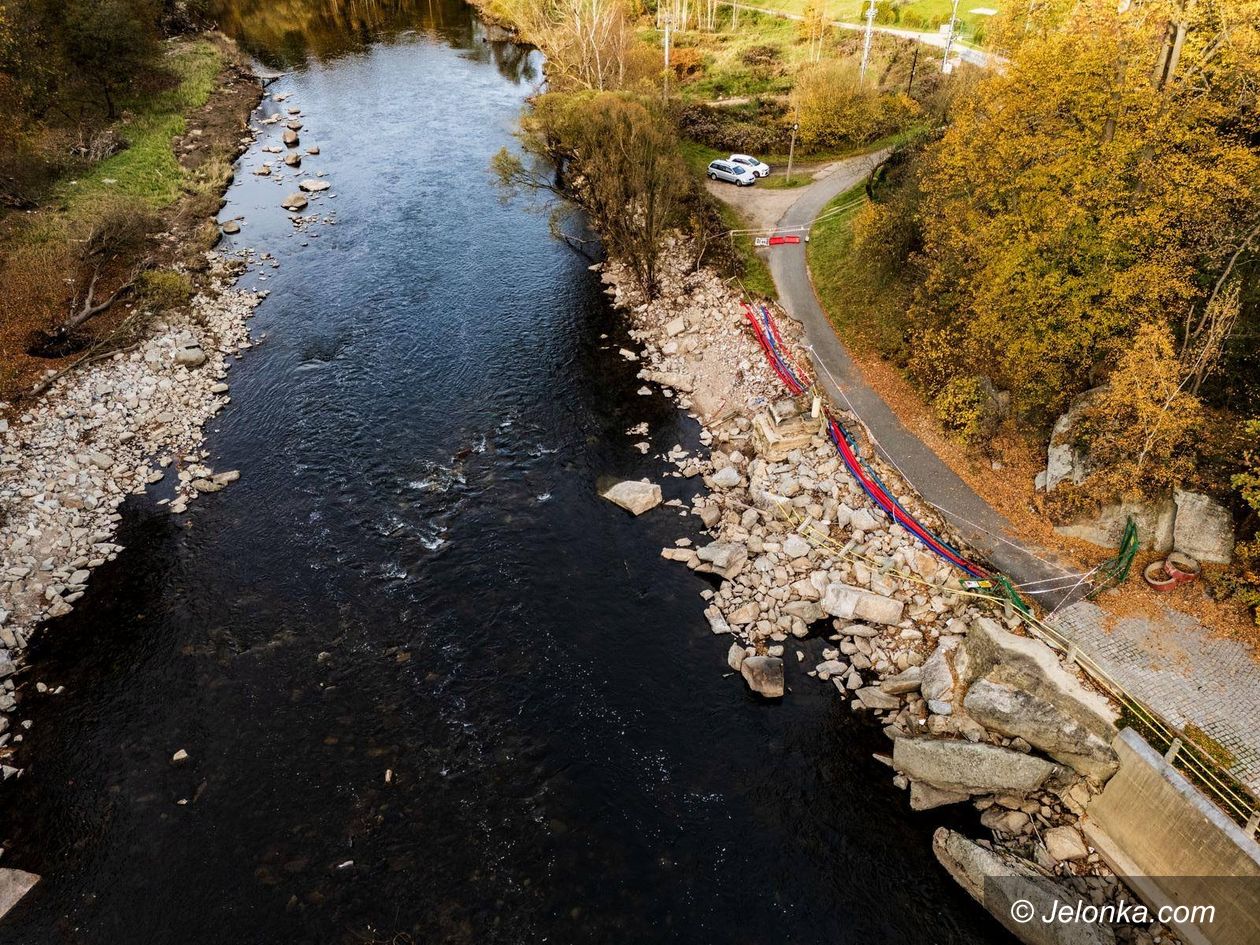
{"x":1181,"y":567}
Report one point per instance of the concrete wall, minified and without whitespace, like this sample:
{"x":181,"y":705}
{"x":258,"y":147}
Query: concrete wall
{"x":1175,"y":846}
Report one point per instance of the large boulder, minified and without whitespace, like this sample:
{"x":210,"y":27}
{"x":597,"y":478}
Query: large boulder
{"x":1029,"y":665}
{"x":14,"y":884}
{"x":1204,"y":528}
{"x":633,"y":496}
{"x":1154,"y":520}
{"x":969,"y":767}
{"x":764,"y":675}
{"x":1010,"y":887}
{"x":855,"y":603}
{"x":1013,"y":712}
{"x":1065,"y":460}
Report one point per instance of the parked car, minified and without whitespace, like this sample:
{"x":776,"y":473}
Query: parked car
{"x":759,"y":168}
{"x":732,"y":173}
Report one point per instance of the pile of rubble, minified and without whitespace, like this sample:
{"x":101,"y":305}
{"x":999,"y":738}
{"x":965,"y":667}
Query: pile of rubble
{"x":976,"y":713}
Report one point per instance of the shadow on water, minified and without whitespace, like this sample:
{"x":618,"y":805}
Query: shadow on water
{"x":431,"y":687}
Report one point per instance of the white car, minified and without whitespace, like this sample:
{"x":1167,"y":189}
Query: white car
{"x":732,"y":173}
{"x":759,"y":168}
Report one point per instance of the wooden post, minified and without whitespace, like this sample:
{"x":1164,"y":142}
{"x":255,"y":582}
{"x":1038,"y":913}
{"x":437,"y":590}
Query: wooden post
{"x":1173,"y":751}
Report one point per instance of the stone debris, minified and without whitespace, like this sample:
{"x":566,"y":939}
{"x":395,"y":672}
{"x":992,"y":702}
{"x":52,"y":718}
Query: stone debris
{"x":633,"y":496}
{"x":764,"y":675}
{"x":976,"y":713}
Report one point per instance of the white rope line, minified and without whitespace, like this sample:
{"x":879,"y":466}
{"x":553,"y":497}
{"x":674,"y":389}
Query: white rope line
{"x":1062,"y":581}
{"x":1066,"y":597}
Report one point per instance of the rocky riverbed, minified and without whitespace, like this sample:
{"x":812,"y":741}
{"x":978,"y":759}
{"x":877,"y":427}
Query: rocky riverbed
{"x":117,"y":426}
{"x":111,"y":429}
{"x":976,"y":711}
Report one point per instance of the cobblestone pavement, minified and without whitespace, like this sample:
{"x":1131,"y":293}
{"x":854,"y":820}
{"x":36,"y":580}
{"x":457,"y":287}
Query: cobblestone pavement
{"x":1181,"y":671}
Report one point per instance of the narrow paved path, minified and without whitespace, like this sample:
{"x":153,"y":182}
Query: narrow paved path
{"x":1169,"y":661}
{"x":983,"y":527}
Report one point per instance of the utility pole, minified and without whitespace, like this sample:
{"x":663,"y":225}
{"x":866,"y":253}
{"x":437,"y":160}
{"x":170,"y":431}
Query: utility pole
{"x":866,"y":45}
{"x":949,"y":42}
{"x":792,"y":151}
{"x":914,"y":64}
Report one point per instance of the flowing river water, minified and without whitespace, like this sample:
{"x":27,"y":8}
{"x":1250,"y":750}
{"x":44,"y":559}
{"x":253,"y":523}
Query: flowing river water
{"x":414,"y":575}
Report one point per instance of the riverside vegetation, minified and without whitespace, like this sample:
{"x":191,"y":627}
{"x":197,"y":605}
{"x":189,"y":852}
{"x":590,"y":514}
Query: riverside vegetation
{"x":119,"y":125}
{"x":1082,"y":232}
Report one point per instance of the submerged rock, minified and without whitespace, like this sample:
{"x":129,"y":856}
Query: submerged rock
{"x":764,"y":675}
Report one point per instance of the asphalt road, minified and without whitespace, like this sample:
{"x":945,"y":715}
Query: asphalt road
{"x":983,"y":527}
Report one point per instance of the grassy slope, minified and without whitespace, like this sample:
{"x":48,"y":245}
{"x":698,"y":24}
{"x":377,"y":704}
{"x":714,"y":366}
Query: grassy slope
{"x":756,"y":277}
{"x":863,"y":306}
{"x":148,"y":170}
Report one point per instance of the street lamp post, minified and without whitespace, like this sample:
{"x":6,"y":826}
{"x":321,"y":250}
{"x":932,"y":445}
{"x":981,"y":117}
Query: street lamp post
{"x":949,"y":41}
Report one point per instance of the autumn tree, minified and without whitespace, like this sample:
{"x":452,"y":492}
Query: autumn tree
{"x":1089,"y":188}
{"x":620,"y":159}
{"x":108,"y":42}
{"x":1139,"y":429}
{"x":587,"y":42}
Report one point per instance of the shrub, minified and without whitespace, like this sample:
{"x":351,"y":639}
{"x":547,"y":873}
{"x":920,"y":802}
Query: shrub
{"x":688,"y":62}
{"x":837,"y":111}
{"x":164,"y":289}
{"x":964,"y":406}
{"x":763,"y":56}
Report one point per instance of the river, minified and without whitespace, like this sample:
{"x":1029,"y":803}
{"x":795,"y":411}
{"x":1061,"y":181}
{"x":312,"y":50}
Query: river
{"x":432,"y":688}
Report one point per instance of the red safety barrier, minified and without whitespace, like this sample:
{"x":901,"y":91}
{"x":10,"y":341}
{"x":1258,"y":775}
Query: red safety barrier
{"x":780,"y":240}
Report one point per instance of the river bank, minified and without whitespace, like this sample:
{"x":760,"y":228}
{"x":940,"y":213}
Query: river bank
{"x":127,"y":415}
{"x":976,"y":713}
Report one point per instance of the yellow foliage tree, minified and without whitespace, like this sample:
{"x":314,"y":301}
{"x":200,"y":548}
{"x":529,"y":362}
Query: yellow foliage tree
{"x":1087,"y":189}
{"x":1139,"y":430}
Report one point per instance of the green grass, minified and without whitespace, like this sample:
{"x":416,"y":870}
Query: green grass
{"x":756,"y":276}
{"x":778,"y":180}
{"x":148,"y":169}
{"x":859,"y":303}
